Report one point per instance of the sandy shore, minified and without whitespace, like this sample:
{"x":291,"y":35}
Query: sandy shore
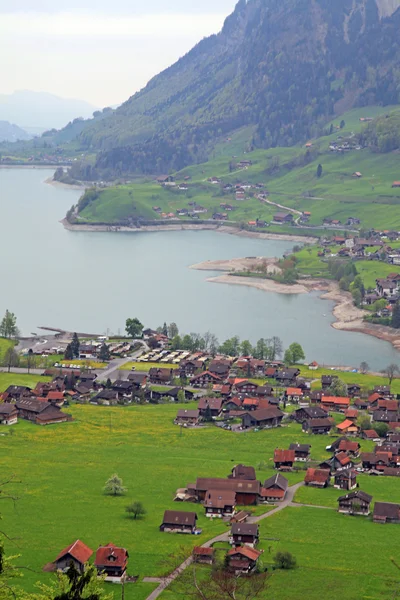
{"x":66,"y":186}
{"x":190,"y":227}
{"x":239,"y":264}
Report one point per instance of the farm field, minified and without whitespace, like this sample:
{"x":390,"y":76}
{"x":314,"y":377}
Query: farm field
{"x":365,"y":381}
{"x":146,"y":366}
{"x":7,"y":379}
{"x":60,"y":490}
{"x":4,"y":346}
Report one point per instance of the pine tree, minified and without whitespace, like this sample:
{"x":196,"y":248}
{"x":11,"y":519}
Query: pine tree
{"x":68,"y":354}
{"x":319,"y":171}
{"x":104,"y":354}
{"x":75,"y":345}
{"x":396,"y":316}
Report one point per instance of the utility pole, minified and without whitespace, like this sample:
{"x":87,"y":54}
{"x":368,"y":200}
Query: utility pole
{"x":110,"y":423}
{"x":123,"y":591}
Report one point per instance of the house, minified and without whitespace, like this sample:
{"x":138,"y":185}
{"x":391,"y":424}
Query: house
{"x":112,"y":562}
{"x":77,"y":553}
{"x":265,"y":417}
{"x":357,"y":174}
{"x":286,"y":377}
{"x":318,"y":426}
{"x":284,"y":459}
{"x":316,"y":396}
{"x":41,"y":413}
{"x":243,"y":559}
{"x":301,"y":452}
{"x":247,"y":492}
{"x":353,"y":389}
{"x":123,"y":388}
{"x":370,"y":434}
{"x":243,"y":472}
{"x":345,"y":480}
{"x":355,"y":503}
{"x":188,"y":368}
{"x":210,"y":407}
{"x":161,"y":376}
{"x":220,"y":503}
{"x":138,"y":380}
{"x":176,"y":521}
{"x":204,"y":379}
{"x":348,"y":427}
{"x":274,"y":488}
{"x":244,"y":533}
{"x":106,"y":397}
{"x":396,"y":184}
{"x":251,"y":404}
{"x":386,"y":512}
{"x":8,"y":414}
{"x":220,"y":368}
{"x":351,"y":414}
{"x":327,"y":380}
{"x":203,"y":556}
{"x":317,"y":478}
{"x":15,"y":392}
{"x":376,"y":461}
{"x":309,"y":413}
{"x":283,"y":217}
{"x":361,"y":404}
{"x":345,"y":445}
{"x":245,"y":387}
{"x":187,"y":417}
{"x":293,"y":394}
{"x":386,"y":288}
{"x":335,"y":403}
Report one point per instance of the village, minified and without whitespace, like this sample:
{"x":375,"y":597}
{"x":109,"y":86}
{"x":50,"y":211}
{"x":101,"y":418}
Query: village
{"x":243,"y":395}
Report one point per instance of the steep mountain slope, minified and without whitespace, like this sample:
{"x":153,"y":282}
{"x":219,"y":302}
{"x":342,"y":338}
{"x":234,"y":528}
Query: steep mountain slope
{"x":281,"y":66}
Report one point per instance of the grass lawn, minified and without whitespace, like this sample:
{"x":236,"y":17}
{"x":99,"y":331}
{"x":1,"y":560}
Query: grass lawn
{"x":85,"y":363}
{"x":4,"y":346}
{"x":7,"y":379}
{"x":366,"y":381}
{"x":146,"y":366}
{"x":63,"y":468}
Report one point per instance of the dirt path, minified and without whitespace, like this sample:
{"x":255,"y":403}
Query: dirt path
{"x":291,"y":210}
{"x":224,"y":537}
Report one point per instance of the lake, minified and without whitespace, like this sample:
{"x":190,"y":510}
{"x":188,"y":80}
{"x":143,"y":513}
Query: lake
{"x":93,"y":281}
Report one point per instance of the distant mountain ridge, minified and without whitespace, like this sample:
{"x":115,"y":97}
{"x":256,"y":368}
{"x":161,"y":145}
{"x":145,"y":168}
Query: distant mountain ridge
{"x":12,"y":133}
{"x":42,"y":110}
{"x":280,"y":67}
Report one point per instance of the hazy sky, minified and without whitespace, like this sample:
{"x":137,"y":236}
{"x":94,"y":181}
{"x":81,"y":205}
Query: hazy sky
{"x":98,"y":50}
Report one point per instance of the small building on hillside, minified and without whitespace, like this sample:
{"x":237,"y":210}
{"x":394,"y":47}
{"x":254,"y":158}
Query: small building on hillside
{"x":274,"y":489}
{"x":346,"y":480}
{"x":386,"y":512}
{"x":284,"y":459}
{"x":176,"y":521}
{"x":243,"y":559}
{"x":220,"y":503}
{"x":203,"y":556}
{"x":112,"y":562}
{"x":318,"y":426}
{"x":283,"y":217}
{"x":8,"y":414}
{"x":355,"y":503}
{"x":41,"y":413}
{"x":244,"y":533}
{"x":301,"y":452}
{"x":210,"y":406}
{"x":77,"y":553}
{"x":187,"y":417}
{"x":243,"y":472}
{"x":265,"y":417}
{"x":317,"y":478}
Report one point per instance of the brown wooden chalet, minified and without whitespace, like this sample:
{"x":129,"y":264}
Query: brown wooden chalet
{"x":386,"y":512}
{"x":376,"y":461}
{"x":161,"y":376}
{"x":77,"y":553}
{"x":243,"y":472}
{"x":351,"y":447}
{"x":112,"y":562}
{"x":301,"y":452}
{"x":8,"y":414}
{"x":138,"y":380}
{"x":245,"y":387}
{"x":187,"y":417}
{"x":361,"y":403}
{"x":203,"y":556}
{"x":346,"y":480}
{"x":318,"y":426}
{"x":317,"y":478}
{"x":210,"y":406}
{"x":123,"y":388}
{"x":327,"y":380}
{"x":247,"y":492}
{"x":316,"y":396}
{"x":287,"y":377}
{"x":355,"y":503}
{"x":220,"y":368}
{"x":244,"y":533}
{"x":15,"y":392}
{"x":243,"y":559}
{"x":308,"y":413}
{"x":284,"y":459}
{"x":370,"y":434}
{"x":353,"y":389}
{"x":41,"y":413}
{"x":220,"y":503}
{"x":204,"y":379}
{"x":188,"y":368}
{"x":274,"y":488}
{"x":266,"y":417}
{"x":339,"y":462}
{"x":176,"y":521}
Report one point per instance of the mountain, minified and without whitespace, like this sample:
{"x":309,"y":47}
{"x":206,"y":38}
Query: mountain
{"x":280,"y":68}
{"x":42,"y":110}
{"x":12,"y":133}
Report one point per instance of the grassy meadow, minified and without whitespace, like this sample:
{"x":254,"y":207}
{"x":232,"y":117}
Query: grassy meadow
{"x":30,"y":380}
{"x":61,"y":471}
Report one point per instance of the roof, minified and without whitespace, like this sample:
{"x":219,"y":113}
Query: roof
{"x":220,"y":498}
{"x":35,"y":406}
{"x":351,"y":413}
{"x":246,"y":551}
{"x":111,"y":555}
{"x":313,"y":412}
{"x":266,"y":413}
{"x":300,"y":447}
{"x":319,"y":423}
{"x":370,"y":434}
{"x":345,"y":425}
{"x":243,"y":472}
{"x":348,"y":446}
{"x":183,"y":413}
{"x":244,"y":529}
{"x":278,"y":480}
{"x":213,"y":403}
{"x":387,"y":510}
{"x":343,"y":458}
{"x":357,"y":494}
{"x":77,"y":550}
{"x":200,"y":551}
{"x":284,"y":455}
{"x":238,"y":485}
{"x":7,"y":409}
{"x":55,"y":396}
{"x":177,"y":517}
{"x":294,"y":391}
{"x":317,"y":476}
{"x":336,"y":400}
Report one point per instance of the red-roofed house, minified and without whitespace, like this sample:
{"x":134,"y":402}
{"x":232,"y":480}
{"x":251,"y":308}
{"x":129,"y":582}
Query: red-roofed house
{"x":317,"y":478}
{"x":203,"y":555}
{"x":293,"y":394}
{"x":348,"y":427}
{"x":370,"y":434}
{"x":112,"y":561}
{"x":77,"y":553}
{"x":335,"y":403}
{"x":284,"y":459}
{"x":243,"y":559}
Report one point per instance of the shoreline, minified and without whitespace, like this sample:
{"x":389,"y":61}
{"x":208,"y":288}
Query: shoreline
{"x":348,"y":317}
{"x":65,"y":186}
{"x":188,"y":227}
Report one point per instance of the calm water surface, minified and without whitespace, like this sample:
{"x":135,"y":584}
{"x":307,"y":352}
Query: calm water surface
{"x":94,"y":281}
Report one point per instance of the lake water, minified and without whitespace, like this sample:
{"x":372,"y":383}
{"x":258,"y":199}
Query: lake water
{"x":93,"y":281}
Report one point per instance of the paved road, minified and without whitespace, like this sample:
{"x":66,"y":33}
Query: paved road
{"x":111,"y":372}
{"x":224,"y":537}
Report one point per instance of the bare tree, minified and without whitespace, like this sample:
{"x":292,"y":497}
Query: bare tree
{"x":390,"y":371}
{"x":364,"y":367}
{"x":11,"y":358}
{"x":30,"y":360}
